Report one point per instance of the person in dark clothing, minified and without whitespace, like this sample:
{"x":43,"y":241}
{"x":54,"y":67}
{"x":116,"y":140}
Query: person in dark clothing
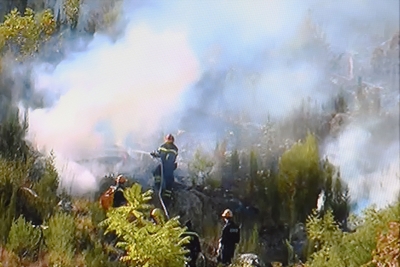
{"x":168,"y":153}
{"x":119,"y":198}
{"x":230,"y":237}
{"x":194,"y":246}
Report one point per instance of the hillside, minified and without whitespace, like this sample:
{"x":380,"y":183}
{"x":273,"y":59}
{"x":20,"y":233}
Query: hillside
{"x":271,"y":115}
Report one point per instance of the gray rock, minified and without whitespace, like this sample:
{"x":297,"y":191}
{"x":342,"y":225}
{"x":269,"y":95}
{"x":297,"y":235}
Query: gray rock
{"x":249,"y":259}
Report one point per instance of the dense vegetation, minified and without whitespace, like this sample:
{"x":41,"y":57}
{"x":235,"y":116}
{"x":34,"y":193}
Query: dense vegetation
{"x":281,"y":177}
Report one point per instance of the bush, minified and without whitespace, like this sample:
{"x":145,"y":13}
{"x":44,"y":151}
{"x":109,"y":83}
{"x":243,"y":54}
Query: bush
{"x":23,"y":238}
{"x":250,"y":242}
{"x":335,"y":248}
{"x":387,"y":251}
{"x":145,"y":243}
{"x":200,"y":168}
{"x":300,"y":179}
{"x":60,"y":239}
{"x":22,"y":35}
{"x":13,"y":146}
{"x":46,"y":188}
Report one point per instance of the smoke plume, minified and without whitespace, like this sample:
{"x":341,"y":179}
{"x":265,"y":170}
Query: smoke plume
{"x":181,"y":66}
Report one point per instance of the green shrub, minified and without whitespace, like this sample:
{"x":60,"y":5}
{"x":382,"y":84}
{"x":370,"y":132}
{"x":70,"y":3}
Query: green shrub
{"x":11,"y":179}
{"x":60,"y":239}
{"x":23,"y":238}
{"x":387,"y":251}
{"x":335,"y":248}
{"x":200,"y":168}
{"x":300,"y":178}
{"x":46,"y":188}
{"x":145,"y":243}
{"x":13,"y":146}
{"x":23,"y":34}
{"x":250,"y":242}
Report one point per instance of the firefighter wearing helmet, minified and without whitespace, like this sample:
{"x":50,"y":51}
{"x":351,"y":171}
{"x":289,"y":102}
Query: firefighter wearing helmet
{"x":119,"y":198}
{"x":230,"y":237}
{"x":168,"y":153}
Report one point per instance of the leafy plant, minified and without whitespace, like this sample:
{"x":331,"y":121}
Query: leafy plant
{"x":23,"y":238}
{"x":300,"y":179}
{"x":23,"y":34}
{"x":387,"y":251}
{"x":200,"y":167}
{"x":60,"y":239}
{"x":335,"y":248}
{"x":145,"y":243}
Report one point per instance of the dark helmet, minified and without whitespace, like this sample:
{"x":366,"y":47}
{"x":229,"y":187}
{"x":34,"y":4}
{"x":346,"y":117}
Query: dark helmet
{"x":188,"y":224}
{"x":169,"y":138}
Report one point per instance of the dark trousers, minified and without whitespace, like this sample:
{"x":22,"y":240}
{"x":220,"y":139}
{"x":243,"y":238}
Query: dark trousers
{"x":167,"y":180}
{"x":192,"y":259}
{"x":227,"y":253}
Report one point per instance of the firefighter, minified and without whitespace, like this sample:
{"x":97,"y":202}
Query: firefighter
{"x":193,"y":246}
{"x":230,"y":237}
{"x":168,"y":153}
{"x":119,"y":198}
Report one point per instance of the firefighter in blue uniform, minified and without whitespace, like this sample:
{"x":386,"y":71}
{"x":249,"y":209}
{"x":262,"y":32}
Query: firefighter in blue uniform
{"x":230,"y":237}
{"x":168,"y":153}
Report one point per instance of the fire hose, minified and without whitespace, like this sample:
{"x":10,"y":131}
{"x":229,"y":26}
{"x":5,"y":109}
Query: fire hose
{"x":161,"y":188}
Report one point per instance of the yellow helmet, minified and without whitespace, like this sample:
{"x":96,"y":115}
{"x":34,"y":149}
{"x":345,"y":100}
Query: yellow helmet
{"x":120,"y":179}
{"x":156,"y":213}
{"x":227,"y":214}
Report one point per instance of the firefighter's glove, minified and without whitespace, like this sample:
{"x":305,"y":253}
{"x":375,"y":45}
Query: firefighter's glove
{"x":153,"y":154}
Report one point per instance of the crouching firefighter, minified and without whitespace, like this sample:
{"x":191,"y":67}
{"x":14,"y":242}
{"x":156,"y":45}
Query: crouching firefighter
{"x":114,"y":196}
{"x":230,"y":237}
{"x":168,"y":153}
{"x":193,"y":246}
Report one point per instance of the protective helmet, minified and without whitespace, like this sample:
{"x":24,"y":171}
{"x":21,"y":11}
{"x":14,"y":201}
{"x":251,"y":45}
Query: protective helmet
{"x":156,"y":213}
{"x":169,"y":138}
{"x":227,"y":214}
{"x":121,"y":179}
{"x":188,"y":224}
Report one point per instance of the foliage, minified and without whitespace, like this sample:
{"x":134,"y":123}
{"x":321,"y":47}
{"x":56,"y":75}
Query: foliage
{"x":145,"y":243}
{"x":47,"y":186}
{"x":72,"y":9}
{"x":387,"y":251}
{"x":335,"y":248}
{"x":23,"y":34}
{"x":10,"y":181}
{"x":200,"y":168}
{"x":12,"y":132}
{"x":23,"y":238}
{"x":249,"y":241}
{"x":60,"y":239}
{"x":300,"y":179}
{"x":104,"y":16}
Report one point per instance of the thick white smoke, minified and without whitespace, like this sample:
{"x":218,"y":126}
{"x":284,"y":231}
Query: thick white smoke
{"x":371,"y":168}
{"x":228,"y":57}
{"x":131,"y":85}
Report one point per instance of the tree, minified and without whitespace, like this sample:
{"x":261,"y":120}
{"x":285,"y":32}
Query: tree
{"x":300,"y":179}
{"x":22,"y":35}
